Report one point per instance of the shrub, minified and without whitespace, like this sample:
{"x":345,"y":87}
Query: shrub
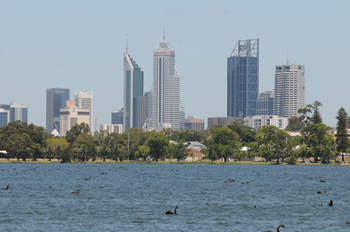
{"x":292,"y":160}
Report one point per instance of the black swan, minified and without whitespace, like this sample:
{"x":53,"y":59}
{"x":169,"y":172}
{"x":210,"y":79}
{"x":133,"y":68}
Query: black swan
{"x":6,"y":188}
{"x":77,"y":192}
{"x":278,"y":228}
{"x":319,"y":192}
{"x":330,"y":203}
{"x":170,"y":212}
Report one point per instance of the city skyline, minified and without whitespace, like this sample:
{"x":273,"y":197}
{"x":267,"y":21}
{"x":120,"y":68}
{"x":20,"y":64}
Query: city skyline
{"x":37,"y":52}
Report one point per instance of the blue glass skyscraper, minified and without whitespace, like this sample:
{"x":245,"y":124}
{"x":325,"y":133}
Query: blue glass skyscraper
{"x":56,"y":99}
{"x":133,"y":89}
{"x":243,"y":79}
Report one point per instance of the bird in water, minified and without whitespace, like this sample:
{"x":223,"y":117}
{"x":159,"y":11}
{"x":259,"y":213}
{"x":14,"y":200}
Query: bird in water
{"x":278,"y":228}
{"x":170,"y":212}
{"x":330,"y":203}
{"x":77,"y":192}
{"x":230,"y":180}
{"x":6,"y":188}
{"x":319,"y":192}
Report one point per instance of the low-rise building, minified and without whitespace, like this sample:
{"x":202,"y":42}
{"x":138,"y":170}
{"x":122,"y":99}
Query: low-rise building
{"x":223,"y":121}
{"x":194,"y":123}
{"x":258,"y":121}
{"x":112,"y":128}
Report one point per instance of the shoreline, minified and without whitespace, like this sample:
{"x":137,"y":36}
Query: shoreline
{"x":109,"y":161}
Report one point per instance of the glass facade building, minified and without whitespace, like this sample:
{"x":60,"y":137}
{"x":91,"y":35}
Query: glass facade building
{"x":117,"y":117}
{"x":265,"y":103}
{"x":243,"y":79}
{"x":56,"y":99}
{"x":133,"y":89}
{"x":18,"y":112}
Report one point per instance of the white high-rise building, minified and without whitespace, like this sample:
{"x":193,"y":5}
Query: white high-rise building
{"x":289,"y":90}
{"x":165,"y":103}
{"x":83,"y":100}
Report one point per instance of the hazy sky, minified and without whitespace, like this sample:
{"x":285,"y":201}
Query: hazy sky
{"x":79,"y":45}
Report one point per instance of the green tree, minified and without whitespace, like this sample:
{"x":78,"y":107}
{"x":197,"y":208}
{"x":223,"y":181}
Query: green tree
{"x":176,"y":151}
{"x":342,"y":141}
{"x":55,"y":147}
{"x":273,"y":142}
{"x":246,"y":133}
{"x":143,"y":152}
{"x":316,"y":114}
{"x":75,"y":131}
{"x":223,"y":143}
{"x":318,"y":142}
{"x":295,"y":123}
{"x":158,"y":144}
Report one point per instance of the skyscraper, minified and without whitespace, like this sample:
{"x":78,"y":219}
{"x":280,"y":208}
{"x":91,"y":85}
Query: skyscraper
{"x":18,"y":112}
{"x":84,"y":101}
{"x":264,"y":103}
{"x":289,"y":89}
{"x":133,"y":89}
{"x":143,"y":109}
{"x":4,"y":117}
{"x":118,"y":117}
{"x":71,"y":115}
{"x":243,"y":79}
{"x":165,"y":104}
{"x":56,"y":99}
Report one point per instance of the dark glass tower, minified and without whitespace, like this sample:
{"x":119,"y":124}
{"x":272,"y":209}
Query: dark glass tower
{"x":56,"y":99}
{"x":243,"y":79}
{"x":133,"y":89}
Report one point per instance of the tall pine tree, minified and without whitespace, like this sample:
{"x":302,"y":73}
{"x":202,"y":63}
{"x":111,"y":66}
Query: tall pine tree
{"x":342,"y":140}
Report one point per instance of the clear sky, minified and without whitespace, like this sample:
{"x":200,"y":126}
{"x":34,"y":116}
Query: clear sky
{"x":79,"y":45}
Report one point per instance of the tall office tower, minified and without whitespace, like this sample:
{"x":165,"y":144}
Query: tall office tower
{"x":84,"y":101}
{"x":118,"y":117}
{"x":165,"y":105}
{"x":264,"y":103}
{"x":56,"y":99}
{"x":72,"y":115}
{"x":143,"y":109}
{"x":4,"y":117}
{"x":289,"y":89}
{"x":243,"y":79}
{"x":133,"y":89}
{"x":18,"y":112}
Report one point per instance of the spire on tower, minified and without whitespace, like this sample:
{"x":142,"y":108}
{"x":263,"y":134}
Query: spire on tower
{"x":163,"y":34}
{"x":287,"y":57}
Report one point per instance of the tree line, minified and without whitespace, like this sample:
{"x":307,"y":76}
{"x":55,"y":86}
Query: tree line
{"x":23,"y":141}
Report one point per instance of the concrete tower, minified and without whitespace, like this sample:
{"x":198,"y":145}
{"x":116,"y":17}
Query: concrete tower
{"x":289,"y":90}
{"x":165,"y":103}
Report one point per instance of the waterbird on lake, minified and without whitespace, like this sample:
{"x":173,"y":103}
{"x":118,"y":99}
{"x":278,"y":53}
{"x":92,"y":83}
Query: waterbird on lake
{"x":322,"y":180}
{"x":247,"y":182}
{"x":77,"y":192}
{"x":330,"y":203}
{"x":170,"y":212}
{"x":230,"y":180}
{"x":319,"y":192}
{"x":6,"y":188}
{"x":278,"y":228}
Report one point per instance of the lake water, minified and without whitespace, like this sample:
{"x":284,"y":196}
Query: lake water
{"x":133,"y":197}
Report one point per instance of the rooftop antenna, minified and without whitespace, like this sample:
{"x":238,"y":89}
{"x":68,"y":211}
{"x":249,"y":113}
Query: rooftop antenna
{"x":126,"y":43}
{"x":287,"y":56}
{"x":163,"y":34}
